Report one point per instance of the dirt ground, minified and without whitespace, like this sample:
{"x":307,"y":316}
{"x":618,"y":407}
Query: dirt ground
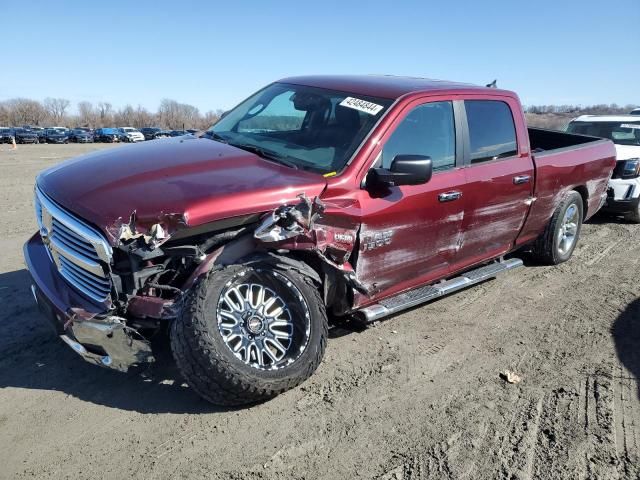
{"x":418,"y":396}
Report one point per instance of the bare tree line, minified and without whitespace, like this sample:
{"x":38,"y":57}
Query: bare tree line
{"x":175,"y":115}
{"x":557,"y":117}
{"x":599,"y":109}
{"x":56,"y":112}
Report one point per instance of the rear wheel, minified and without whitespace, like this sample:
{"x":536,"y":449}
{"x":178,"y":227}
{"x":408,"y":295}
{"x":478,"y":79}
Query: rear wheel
{"x":557,"y":243}
{"x":248,"y":333}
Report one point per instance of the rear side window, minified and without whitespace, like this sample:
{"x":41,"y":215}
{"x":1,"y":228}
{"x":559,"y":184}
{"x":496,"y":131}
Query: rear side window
{"x":427,"y":130}
{"x":492,"y":133}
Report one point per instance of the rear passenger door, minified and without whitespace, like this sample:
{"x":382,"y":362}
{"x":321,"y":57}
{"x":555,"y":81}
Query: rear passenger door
{"x":499,"y":179}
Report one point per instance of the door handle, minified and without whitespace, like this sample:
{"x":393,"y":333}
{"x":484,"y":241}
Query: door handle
{"x":520,"y":179}
{"x":449,"y":196}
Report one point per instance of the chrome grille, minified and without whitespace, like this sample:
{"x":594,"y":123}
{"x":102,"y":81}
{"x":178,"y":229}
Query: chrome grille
{"x":98,"y":287}
{"x":80,"y":252}
{"x":70,"y":240}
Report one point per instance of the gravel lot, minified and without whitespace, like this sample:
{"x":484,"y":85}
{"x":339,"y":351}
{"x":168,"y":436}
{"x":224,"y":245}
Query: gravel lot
{"x":418,"y":396}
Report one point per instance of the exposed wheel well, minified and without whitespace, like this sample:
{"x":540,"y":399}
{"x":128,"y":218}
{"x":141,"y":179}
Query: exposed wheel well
{"x":582,"y":190}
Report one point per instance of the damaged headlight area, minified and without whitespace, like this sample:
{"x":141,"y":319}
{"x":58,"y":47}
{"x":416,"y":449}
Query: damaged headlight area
{"x":152,"y":266}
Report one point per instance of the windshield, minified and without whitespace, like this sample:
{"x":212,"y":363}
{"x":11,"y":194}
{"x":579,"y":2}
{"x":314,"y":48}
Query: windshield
{"x":305,"y":127}
{"x":622,"y":133}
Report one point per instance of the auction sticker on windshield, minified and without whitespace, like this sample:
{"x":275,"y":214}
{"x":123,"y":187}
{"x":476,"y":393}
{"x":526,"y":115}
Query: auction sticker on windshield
{"x":362,"y":105}
{"x":630,"y":125}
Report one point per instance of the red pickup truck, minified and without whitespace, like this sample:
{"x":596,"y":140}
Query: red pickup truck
{"x":316,"y":197}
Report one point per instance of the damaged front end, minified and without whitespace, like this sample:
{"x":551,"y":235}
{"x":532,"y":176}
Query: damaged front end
{"x":155,"y":263}
{"x":323,"y":232}
{"x":155,"y":266}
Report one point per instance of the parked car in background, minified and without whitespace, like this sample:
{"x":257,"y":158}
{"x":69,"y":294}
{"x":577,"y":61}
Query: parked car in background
{"x":178,"y":133}
{"x":57,"y":135}
{"x":163,"y":134}
{"x":109,"y":135}
{"x":39,"y":131}
{"x":635,"y":111}
{"x":22,"y":135}
{"x":80,"y":135}
{"x":624,"y":130}
{"x":132,"y":134}
{"x":149,"y":132}
{"x":7,"y":135}
{"x":42,"y":135}
{"x":241,"y":243}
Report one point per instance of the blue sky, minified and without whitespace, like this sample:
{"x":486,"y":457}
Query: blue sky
{"x":213,"y":55}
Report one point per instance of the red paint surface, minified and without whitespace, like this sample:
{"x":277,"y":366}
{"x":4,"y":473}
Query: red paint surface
{"x":201,"y":179}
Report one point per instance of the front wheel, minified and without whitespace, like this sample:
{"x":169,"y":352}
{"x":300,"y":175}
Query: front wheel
{"x":247,"y":333}
{"x":557,"y":243}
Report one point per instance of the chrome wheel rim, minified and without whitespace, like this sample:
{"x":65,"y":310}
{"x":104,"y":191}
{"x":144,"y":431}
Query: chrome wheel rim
{"x":263,"y":319}
{"x":568,"y":229}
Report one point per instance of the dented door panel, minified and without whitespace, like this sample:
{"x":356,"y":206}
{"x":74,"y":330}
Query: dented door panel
{"x":496,"y":208}
{"x":408,"y":236}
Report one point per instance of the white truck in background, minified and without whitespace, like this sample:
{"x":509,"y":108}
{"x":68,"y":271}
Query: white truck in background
{"x":624,"y":130}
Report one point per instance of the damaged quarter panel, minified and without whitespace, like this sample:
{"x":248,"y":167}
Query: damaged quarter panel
{"x":558,"y":172}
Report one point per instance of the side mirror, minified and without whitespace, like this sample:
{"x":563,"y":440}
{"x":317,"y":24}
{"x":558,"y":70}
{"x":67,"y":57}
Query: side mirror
{"x":404,"y":170}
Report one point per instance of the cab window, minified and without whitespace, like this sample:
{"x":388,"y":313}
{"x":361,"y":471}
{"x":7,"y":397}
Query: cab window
{"x":492,"y":133}
{"x":427,"y":130}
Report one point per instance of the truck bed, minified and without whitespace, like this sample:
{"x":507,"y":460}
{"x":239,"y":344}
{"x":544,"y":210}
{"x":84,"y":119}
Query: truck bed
{"x":542,"y":140}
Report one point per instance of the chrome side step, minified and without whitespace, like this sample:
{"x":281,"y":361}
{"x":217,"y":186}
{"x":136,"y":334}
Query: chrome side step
{"x":424,"y":294}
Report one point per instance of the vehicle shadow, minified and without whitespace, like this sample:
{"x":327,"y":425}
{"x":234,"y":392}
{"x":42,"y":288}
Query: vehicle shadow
{"x":602,"y":218}
{"x":32,"y":357}
{"x":626,"y":335}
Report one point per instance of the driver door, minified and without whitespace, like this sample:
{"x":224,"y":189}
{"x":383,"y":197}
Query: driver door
{"x":411,"y":234}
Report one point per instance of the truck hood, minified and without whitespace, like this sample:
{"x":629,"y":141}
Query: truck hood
{"x":177,"y":182}
{"x":625,"y":152}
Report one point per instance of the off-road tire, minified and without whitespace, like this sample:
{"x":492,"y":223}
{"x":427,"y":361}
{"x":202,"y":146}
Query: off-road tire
{"x":546,"y":250}
{"x":209,"y":366}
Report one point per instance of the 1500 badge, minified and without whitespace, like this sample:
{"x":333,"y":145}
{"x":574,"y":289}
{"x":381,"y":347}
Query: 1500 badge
{"x":376,"y":240}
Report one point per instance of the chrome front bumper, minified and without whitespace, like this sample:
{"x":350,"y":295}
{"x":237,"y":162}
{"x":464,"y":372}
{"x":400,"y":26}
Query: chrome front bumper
{"x":120,"y":347}
{"x":97,"y":336}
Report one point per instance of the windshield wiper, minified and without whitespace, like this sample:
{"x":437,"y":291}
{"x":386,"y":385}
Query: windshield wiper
{"x":265,"y":153}
{"x":215,"y":136}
